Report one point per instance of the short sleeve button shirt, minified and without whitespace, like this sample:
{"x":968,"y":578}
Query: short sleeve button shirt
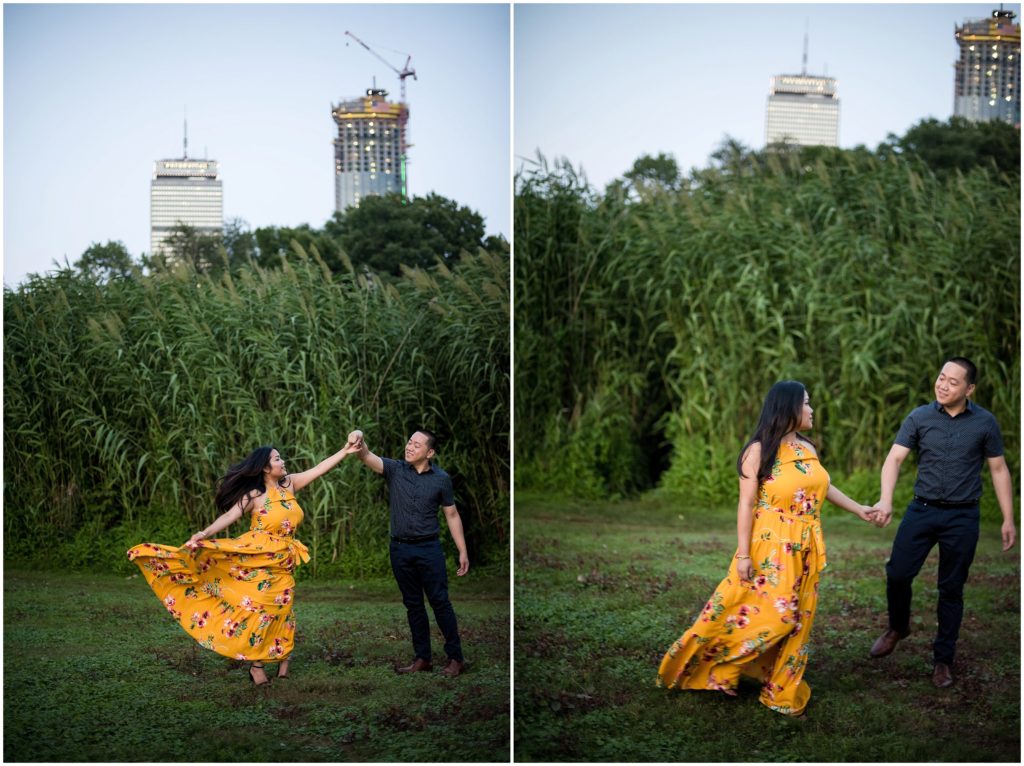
{"x":414,"y":497}
{"x":950,"y":450}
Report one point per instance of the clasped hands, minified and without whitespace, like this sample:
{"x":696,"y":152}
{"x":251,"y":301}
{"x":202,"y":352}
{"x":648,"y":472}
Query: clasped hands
{"x":879,"y":515}
{"x":354,"y":443}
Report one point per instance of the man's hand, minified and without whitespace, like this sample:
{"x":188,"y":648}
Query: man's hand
{"x":1009,"y":535}
{"x":355,"y":439}
{"x":463,"y":564}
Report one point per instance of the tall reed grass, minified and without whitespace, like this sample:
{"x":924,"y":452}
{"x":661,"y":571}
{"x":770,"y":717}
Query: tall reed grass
{"x":123,"y":402}
{"x":650,"y":324}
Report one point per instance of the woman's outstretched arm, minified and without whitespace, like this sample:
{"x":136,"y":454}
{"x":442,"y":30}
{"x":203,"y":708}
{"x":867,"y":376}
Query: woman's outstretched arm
{"x":222,"y":522}
{"x":837,"y":498}
{"x":300,"y":480}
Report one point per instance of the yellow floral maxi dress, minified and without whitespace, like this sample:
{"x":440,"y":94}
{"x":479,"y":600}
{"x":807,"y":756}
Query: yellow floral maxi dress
{"x":234,"y":595}
{"x":761,"y":628}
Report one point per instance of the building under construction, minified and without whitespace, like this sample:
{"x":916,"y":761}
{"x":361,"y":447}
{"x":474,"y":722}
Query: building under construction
{"x":370,"y":150}
{"x":988,"y":72}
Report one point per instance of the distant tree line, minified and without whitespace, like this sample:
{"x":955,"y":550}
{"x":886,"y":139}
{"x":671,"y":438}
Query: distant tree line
{"x":381,"y":236}
{"x":943,"y":148}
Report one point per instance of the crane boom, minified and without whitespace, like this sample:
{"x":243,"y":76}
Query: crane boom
{"x":402,"y":73}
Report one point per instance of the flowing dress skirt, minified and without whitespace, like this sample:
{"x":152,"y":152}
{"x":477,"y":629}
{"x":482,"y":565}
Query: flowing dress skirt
{"x":234,"y":595}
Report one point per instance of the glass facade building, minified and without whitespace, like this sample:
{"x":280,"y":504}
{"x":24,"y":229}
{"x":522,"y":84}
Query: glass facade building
{"x":369,"y":152}
{"x":187,"y":192}
{"x":987,"y":85}
{"x":802,"y":109}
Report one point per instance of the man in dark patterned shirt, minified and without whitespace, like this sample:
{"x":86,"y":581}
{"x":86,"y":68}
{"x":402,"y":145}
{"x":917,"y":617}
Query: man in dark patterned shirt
{"x":416,"y":487}
{"x":952,"y":436}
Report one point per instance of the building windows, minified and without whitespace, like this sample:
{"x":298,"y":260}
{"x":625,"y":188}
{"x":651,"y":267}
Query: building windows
{"x":371,"y":135}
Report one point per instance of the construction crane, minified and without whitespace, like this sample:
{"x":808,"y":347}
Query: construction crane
{"x":402,"y":74}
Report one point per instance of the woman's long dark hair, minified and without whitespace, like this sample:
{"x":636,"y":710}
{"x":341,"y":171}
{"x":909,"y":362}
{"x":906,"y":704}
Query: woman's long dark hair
{"x":780,"y":414}
{"x":242,"y":479}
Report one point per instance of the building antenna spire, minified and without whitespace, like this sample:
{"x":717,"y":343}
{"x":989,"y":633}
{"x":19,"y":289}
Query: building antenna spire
{"x":186,"y":132}
{"x":806,"y":27}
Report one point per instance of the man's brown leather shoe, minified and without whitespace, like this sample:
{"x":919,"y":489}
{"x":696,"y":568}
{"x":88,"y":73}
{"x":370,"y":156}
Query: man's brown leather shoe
{"x":886,"y":642}
{"x":453,"y":668}
{"x":943,"y":675}
{"x":418,"y":665}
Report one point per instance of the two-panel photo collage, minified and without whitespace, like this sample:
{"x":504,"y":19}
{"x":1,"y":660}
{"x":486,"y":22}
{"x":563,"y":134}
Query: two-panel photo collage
{"x":511,"y":382}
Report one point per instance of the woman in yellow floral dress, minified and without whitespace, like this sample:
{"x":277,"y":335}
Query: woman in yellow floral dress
{"x":234,"y":595}
{"x":758,"y":620}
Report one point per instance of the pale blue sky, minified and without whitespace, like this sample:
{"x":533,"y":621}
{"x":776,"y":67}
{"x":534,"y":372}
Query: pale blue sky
{"x":603,"y":84}
{"x":94,"y":94}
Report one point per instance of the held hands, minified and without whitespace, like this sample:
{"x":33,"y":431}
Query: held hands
{"x":872,"y":515}
{"x":355,"y":442}
{"x":880,"y":515}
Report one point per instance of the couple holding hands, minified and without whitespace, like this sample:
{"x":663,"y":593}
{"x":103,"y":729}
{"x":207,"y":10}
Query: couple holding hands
{"x":234,"y":595}
{"x":758,"y":620}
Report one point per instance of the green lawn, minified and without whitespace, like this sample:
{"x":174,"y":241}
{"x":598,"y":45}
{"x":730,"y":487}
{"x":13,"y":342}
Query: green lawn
{"x":603,"y":589}
{"x":95,"y":670}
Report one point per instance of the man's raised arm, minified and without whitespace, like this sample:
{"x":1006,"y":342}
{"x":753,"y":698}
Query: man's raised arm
{"x":364,"y":454}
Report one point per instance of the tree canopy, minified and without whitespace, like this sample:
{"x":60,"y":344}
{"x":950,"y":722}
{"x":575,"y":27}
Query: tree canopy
{"x":382,"y":235}
{"x":661,"y":170}
{"x":959,"y":144}
{"x":385,"y":233}
{"x":105,"y":262}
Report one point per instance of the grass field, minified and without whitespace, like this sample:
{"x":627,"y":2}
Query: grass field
{"x":95,"y":670}
{"x":603,"y":589}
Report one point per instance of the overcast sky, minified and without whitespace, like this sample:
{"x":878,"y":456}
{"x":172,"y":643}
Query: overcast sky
{"x":603,"y":84}
{"x":94,"y":94}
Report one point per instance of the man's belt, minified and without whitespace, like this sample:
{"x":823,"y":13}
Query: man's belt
{"x":944,"y":503}
{"x":418,"y":539}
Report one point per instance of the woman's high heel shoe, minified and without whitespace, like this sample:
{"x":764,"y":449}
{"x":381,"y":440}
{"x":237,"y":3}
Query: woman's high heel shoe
{"x":253,"y":677}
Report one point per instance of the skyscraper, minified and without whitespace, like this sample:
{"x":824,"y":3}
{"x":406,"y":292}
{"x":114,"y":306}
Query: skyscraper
{"x":369,"y":152}
{"x":987,"y":85}
{"x":184,"y":191}
{"x":802,"y":109}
